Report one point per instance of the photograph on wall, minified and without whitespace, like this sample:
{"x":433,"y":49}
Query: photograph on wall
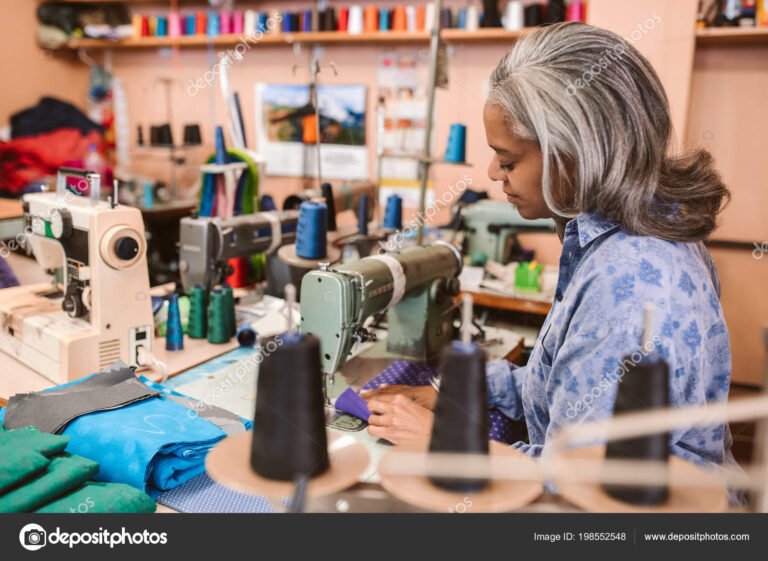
{"x":287,"y":128}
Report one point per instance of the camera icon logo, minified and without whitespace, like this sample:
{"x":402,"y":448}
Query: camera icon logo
{"x":33,"y":537}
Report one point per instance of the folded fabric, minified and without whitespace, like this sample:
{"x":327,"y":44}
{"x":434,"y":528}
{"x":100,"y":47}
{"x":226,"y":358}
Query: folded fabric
{"x":31,"y":439}
{"x":19,"y":465}
{"x":23,"y":454}
{"x":153,"y":444}
{"x":403,"y":372}
{"x":102,"y":498}
{"x":202,"y":494}
{"x":62,"y":475}
{"x":52,"y":410}
{"x":48,"y":115}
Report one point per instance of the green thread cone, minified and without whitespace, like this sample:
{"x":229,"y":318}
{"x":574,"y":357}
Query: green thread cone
{"x":229,"y":309}
{"x":218,"y":325}
{"x":197,"y":313}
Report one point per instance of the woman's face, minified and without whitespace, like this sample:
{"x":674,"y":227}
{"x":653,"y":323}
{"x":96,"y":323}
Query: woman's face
{"x":516,"y":163}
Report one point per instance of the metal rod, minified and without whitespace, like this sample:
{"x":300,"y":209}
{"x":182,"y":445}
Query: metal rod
{"x":425,"y":163}
{"x":466,"y":319}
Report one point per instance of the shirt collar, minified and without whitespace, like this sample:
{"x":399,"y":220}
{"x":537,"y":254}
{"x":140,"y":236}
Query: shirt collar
{"x":588,"y":227}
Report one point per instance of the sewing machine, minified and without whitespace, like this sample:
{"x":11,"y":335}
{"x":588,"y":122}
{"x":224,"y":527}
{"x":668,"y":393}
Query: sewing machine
{"x":415,"y":287}
{"x":492,"y":228}
{"x":206,"y":244}
{"x":100,"y":309}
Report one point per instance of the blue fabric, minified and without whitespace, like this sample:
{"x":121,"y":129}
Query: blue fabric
{"x":154,"y":445}
{"x":606,"y":276}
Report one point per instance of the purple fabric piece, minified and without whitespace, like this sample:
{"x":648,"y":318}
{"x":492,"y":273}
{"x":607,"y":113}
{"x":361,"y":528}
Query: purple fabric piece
{"x":404,"y":373}
{"x":7,"y":278}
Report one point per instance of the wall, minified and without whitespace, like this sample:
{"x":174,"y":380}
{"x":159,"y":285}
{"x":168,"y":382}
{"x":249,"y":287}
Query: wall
{"x":27,"y":71}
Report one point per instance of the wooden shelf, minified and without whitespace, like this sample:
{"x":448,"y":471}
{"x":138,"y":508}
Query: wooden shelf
{"x":322,"y":37}
{"x":732,"y":36}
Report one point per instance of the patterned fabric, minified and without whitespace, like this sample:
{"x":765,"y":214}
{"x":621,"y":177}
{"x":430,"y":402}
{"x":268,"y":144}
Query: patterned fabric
{"x":402,"y":372}
{"x":606,"y":276}
{"x":202,"y":494}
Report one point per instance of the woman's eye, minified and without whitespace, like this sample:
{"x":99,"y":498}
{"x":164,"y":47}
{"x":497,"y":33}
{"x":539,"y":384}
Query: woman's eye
{"x":507,"y":167}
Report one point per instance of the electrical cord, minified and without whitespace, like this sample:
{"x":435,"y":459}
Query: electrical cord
{"x":146,"y":358}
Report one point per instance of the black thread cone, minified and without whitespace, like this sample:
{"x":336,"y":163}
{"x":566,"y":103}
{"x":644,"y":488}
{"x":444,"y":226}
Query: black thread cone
{"x":289,"y":436}
{"x":644,"y":386}
{"x":461,"y":412}
{"x":327,"y":190}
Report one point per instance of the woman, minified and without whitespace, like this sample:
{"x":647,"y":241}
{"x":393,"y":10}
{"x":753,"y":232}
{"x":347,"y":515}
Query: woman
{"x":580,"y":128}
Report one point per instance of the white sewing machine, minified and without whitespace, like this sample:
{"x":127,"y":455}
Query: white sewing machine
{"x":99,"y":308}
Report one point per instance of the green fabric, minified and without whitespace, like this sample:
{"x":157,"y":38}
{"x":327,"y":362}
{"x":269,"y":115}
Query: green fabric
{"x":30,"y":438}
{"x":23,"y":454}
{"x":63,"y":474}
{"x":102,"y":498}
{"x":19,"y":465}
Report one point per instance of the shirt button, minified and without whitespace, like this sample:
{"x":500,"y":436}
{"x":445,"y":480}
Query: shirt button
{"x":559,"y":296}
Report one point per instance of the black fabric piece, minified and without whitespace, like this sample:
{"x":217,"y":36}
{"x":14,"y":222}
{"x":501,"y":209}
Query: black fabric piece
{"x":461,"y":411}
{"x":289,"y":437}
{"x":644,"y":386}
{"x":48,"y":115}
{"x":52,"y":411}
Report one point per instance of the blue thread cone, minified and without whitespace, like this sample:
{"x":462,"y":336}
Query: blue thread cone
{"x":312,"y":233}
{"x":162,"y":26}
{"x":384,"y":19}
{"x":190,"y":25}
{"x":362,"y":215}
{"x":393,"y":214}
{"x":221,"y":147}
{"x":267,"y":203}
{"x":174,"y":337}
{"x":214,"y":25}
{"x":456,"y":151}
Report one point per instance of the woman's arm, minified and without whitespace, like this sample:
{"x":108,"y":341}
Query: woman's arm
{"x":505,"y":383}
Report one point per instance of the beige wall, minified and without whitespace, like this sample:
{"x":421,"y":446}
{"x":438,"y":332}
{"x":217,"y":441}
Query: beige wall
{"x":26,"y":71}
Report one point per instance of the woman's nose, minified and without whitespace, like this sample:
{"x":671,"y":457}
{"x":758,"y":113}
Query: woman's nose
{"x":495,"y":173}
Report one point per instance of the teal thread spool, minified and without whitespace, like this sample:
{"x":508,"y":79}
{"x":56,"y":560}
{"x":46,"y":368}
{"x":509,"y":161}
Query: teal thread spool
{"x":198,"y":313}
{"x":229,"y":309}
{"x":218,"y":325}
{"x":456,"y":151}
{"x":174,"y":337}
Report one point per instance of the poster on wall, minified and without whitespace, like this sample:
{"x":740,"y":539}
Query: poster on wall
{"x":402,"y":84}
{"x":286,"y":126}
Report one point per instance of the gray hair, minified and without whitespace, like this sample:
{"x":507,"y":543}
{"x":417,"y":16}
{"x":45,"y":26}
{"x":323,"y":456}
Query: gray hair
{"x":600,"y":116}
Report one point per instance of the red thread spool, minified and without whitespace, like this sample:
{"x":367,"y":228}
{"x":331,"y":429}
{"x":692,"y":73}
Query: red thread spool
{"x":200,"y":22}
{"x":241,"y":272}
{"x":342,"y":22}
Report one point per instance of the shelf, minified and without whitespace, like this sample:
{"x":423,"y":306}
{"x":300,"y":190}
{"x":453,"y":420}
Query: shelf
{"x":321,"y":37}
{"x":732,"y":36}
{"x":420,"y":158}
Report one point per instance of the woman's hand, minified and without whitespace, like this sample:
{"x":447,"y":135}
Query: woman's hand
{"x":426,"y":396}
{"x":397,"y":418}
